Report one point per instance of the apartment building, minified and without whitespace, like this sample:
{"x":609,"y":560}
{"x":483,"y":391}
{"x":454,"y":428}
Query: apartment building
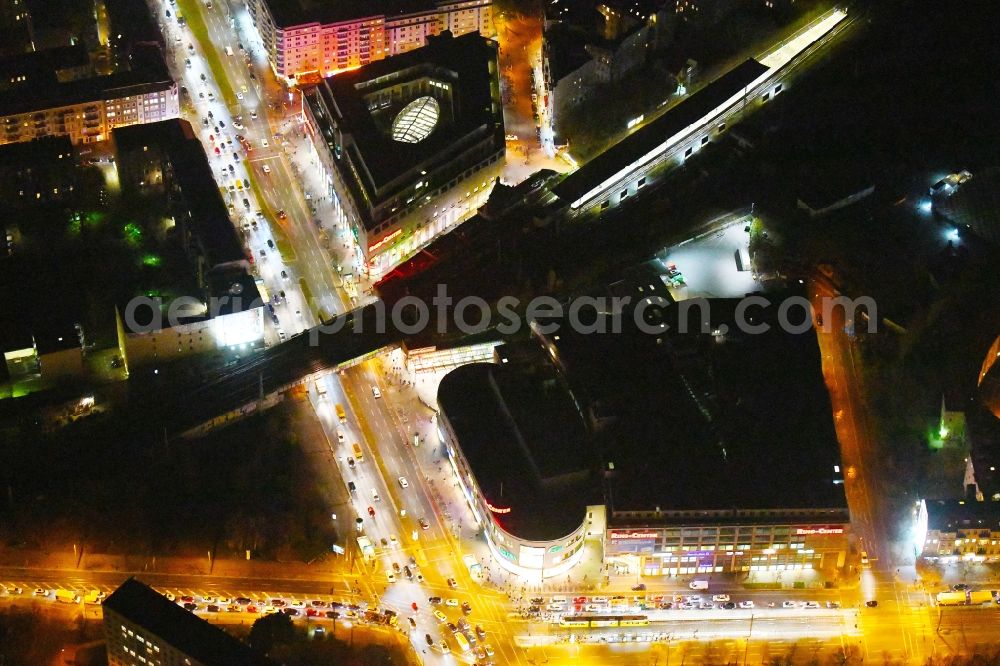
{"x":55,"y":93}
{"x":305,"y":42}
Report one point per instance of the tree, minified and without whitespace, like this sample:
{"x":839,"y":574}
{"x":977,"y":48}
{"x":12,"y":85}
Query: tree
{"x":270,"y":631}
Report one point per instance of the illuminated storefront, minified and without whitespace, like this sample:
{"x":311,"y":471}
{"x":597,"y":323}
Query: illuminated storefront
{"x":536,"y":530}
{"x":519,"y":556}
{"x":750,"y":541}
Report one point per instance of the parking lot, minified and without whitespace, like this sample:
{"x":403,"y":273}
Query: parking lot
{"x":709,"y":266}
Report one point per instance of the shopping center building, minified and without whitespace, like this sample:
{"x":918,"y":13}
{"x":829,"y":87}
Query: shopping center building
{"x":517,"y":446}
{"x":682,"y":453}
{"x":409,"y":146}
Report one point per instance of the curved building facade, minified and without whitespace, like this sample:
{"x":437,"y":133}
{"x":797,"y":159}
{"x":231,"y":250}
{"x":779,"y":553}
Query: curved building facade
{"x":518,"y":447}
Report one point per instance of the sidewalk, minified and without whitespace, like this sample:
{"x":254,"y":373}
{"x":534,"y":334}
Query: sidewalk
{"x":340,"y":248}
{"x":192,"y":566}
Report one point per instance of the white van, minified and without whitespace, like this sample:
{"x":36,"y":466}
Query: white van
{"x":229,"y":50}
{"x":698,"y":585}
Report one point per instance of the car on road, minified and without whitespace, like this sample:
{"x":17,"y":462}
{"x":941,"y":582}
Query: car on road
{"x":190,"y":606}
{"x":239,"y":96}
{"x":332,"y":615}
{"x":282,"y":215}
{"x":430,"y":641}
{"x":453,"y":628}
{"x":351,"y":487}
{"x":812,"y":605}
{"x":290,"y":611}
{"x":375,"y":495}
{"x":434,"y":601}
{"x":403,"y":483}
{"x":217,"y":151}
{"x":233,"y":608}
{"x":376,"y":392}
{"x":639,"y":587}
{"x":959,"y":587}
{"x":413,"y":623}
{"x":223,"y":601}
{"x":212,"y":608}
{"x":729,"y":605}
{"x":864,"y":559}
{"x":452,"y":583}
{"x":722,"y":598}
{"x":278,"y":603}
{"x":424,"y":524}
{"x":451,"y":602}
{"x":371,"y":511}
{"x":746,"y":604}
{"x":284,"y":276}
{"x":340,"y":431}
{"x":395,"y":567}
{"x":312,"y":612}
{"x":833,"y":604}
{"x":40,"y":592}
{"x":441,"y":617}
{"x":390,"y":576}
{"x":480,"y":632}
{"x":466,"y":607}
{"x":350,"y":462}
{"x":13,"y":590}
{"x":253,"y":116}
{"x":243,"y":601}
{"x":789,"y":604}
{"x":871,"y":603}
{"x":263,"y":142}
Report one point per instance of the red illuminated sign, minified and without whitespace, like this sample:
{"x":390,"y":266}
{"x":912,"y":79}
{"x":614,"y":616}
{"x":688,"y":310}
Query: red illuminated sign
{"x":496,"y":509}
{"x":372,"y":248}
{"x":627,"y":536}
{"x":819,"y":530}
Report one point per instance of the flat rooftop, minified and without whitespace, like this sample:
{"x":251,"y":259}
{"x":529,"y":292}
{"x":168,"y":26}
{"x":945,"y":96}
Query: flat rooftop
{"x":288,"y":13}
{"x":385,"y":166}
{"x":182,"y":629}
{"x":525,"y":443}
{"x":950,"y":515}
{"x":45,"y":90}
{"x":677,"y":118}
{"x":701,"y":422}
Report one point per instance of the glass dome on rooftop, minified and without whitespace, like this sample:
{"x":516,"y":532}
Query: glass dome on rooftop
{"x":416,"y":121}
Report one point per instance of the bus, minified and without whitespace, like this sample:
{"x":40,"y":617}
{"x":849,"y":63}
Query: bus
{"x":67,"y":597}
{"x":463,"y":642}
{"x":358,"y":454}
{"x":597,"y":621}
{"x":341,"y":414}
